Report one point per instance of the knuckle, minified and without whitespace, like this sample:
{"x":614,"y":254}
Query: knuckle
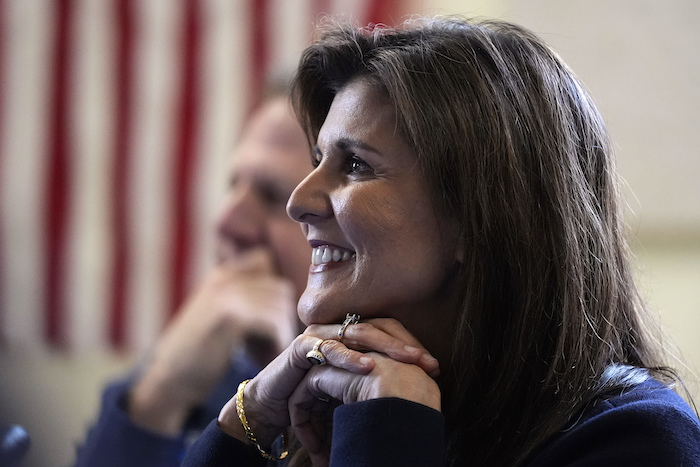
{"x":392,"y":323}
{"x":344,"y":353}
{"x":330,"y":345}
{"x":359,"y":328}
{"x":314,"y":379}
{"x":387,"y":324}
{"x":299,"y":341}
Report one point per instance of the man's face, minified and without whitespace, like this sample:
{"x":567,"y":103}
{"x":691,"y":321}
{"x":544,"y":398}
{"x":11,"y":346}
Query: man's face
{"x":270,"y":160}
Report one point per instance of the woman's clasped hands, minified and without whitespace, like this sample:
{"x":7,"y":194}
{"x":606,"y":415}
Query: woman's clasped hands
{"x":366,"y":360}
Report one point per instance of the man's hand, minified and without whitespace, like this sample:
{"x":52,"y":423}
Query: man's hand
{"x":237,"y":303}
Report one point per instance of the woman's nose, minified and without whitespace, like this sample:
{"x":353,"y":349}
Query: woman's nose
{"x":310,"y":200}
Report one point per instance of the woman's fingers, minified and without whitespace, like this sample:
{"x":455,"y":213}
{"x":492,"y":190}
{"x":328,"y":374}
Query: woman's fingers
{"x":339,"y":355}
{"x":311,"y":420}
{"x":282,"y":375}
{"x":384,"y":335}
{"x":266,"y":395}
{"x":308,"y":407}
{"x":395,"y":341}
{"x":311,"y":409}
{"x":349,"y":376}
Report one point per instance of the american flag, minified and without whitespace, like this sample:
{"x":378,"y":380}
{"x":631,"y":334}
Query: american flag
{"x":116,"y":118}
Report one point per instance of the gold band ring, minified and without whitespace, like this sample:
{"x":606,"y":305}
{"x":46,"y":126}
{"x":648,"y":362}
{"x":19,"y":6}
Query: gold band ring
{"x":350,"y":318}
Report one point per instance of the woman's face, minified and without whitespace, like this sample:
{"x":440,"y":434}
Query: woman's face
{"x":379,"y":247}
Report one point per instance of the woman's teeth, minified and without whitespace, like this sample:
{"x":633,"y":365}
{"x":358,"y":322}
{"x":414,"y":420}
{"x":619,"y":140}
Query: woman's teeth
{"x":326,"y":254}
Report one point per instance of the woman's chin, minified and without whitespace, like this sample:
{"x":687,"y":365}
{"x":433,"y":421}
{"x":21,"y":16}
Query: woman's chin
{"x":313,"y":312}
{"x":316,"y":317}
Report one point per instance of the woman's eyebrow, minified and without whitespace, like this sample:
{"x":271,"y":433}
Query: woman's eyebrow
{"x":350,"y":143}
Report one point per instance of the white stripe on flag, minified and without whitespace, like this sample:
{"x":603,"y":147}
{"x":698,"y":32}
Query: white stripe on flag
{"x":290,"y":26}
{"x":354,"y":11}
{"x":223,"y":105}
{"x":157,"y":49}
{"x":92,"y":141}
{"x":29,"y":29}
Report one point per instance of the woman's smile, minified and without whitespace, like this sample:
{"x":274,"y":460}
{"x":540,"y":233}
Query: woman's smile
{"x":326,"y":256}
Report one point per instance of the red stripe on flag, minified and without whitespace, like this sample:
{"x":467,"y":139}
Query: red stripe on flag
{"x":259,"y":50}
{"x":121,"y":252}
{"x":382,"y":11}
{"x":185,"y":156}
{"x":318,"y":8}
{"x":58,"y":182}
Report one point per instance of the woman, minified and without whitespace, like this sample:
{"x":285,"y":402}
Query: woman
{"x":464,"y":204}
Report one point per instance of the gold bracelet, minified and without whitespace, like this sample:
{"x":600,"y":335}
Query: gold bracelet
{"x":249,"y":433}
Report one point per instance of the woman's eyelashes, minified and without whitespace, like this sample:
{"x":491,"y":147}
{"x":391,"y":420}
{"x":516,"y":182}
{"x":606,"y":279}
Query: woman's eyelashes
{"x":356,"y":166}
{"x":350,"y":163}
{"x":316,"y":157}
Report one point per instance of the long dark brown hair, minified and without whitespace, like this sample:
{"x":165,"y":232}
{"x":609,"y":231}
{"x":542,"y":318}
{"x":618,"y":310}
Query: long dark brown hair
{"x":515,"y":150}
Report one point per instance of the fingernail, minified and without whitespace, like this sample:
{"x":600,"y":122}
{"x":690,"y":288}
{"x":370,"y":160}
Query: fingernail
{"x":365,"y":360}
{"x":410,"y":349}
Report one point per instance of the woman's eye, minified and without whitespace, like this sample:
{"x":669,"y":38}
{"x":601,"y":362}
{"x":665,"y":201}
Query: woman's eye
{"x":357,"y":166}
{"x":316,"y":157}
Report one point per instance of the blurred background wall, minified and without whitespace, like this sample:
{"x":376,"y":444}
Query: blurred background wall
{"x":116,"y":117}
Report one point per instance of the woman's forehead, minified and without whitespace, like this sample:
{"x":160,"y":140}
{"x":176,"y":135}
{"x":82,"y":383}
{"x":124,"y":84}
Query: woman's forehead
{"x":358,"y":111}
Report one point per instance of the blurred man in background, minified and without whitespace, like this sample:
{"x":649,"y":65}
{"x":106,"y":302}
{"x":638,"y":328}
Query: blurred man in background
{"x":239,"y":317}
